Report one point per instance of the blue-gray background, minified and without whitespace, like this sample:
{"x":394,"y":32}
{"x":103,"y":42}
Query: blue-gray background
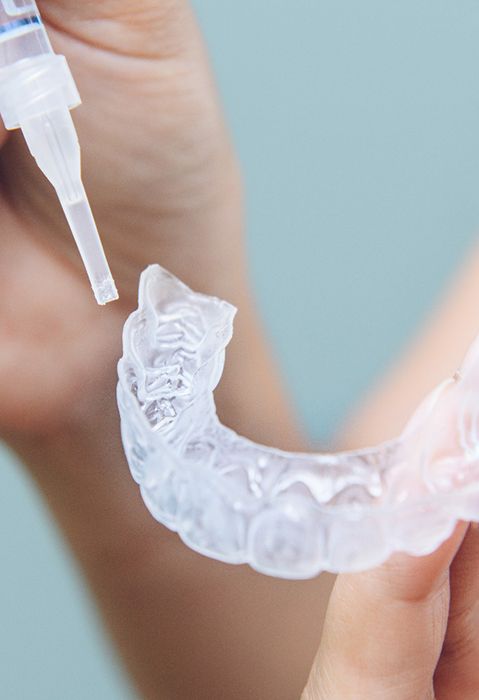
{"x":357,"y":128}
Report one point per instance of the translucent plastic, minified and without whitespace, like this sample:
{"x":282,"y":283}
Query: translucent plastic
{"x":37,"y":92}
{"x":286,"y":514}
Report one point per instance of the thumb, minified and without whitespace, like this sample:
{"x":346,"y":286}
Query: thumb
{"x":384,"y":629}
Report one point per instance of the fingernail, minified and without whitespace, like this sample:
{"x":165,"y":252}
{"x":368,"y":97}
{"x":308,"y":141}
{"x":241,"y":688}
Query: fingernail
{"x":471,"y":360}
{"x":426,"y":407}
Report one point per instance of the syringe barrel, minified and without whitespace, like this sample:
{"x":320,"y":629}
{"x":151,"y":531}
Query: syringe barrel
{"x":22,"y":34}
{"x":34,"y":80}
{"x":37,"y":91}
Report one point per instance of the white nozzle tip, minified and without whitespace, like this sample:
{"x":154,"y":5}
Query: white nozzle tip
{"x":105,"y":291}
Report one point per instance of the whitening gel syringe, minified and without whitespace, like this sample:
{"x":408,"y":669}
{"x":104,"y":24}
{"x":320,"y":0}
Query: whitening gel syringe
{"x":37,"y":91}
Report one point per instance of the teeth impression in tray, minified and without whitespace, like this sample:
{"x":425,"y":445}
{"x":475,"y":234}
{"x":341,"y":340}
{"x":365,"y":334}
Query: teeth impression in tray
{"x":286,"y":514}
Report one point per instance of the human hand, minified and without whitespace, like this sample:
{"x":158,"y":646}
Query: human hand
{"x":405,"y":631}
{"x":162,"y":181}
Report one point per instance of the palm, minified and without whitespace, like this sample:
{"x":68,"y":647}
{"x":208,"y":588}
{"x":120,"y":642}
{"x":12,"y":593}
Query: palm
{"x":147,"y":132}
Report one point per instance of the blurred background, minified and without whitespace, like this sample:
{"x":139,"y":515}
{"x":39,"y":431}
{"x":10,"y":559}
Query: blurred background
{"x":357,"y":127}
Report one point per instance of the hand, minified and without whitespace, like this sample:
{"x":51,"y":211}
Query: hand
{"x":405,"y":631}
{"x":163,"y":184}
{"x":162,"y":181}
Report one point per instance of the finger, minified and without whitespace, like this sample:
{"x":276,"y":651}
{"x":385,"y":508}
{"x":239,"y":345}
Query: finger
{"x":384,"y":630}
{"x":457,"y":674}
{"x":148,"y":28}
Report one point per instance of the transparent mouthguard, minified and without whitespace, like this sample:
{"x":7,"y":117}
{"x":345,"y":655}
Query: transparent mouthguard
{"x":287,"y":514}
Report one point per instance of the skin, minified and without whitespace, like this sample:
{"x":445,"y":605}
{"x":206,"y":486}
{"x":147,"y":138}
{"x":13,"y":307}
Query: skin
{"x":164,"y":186}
